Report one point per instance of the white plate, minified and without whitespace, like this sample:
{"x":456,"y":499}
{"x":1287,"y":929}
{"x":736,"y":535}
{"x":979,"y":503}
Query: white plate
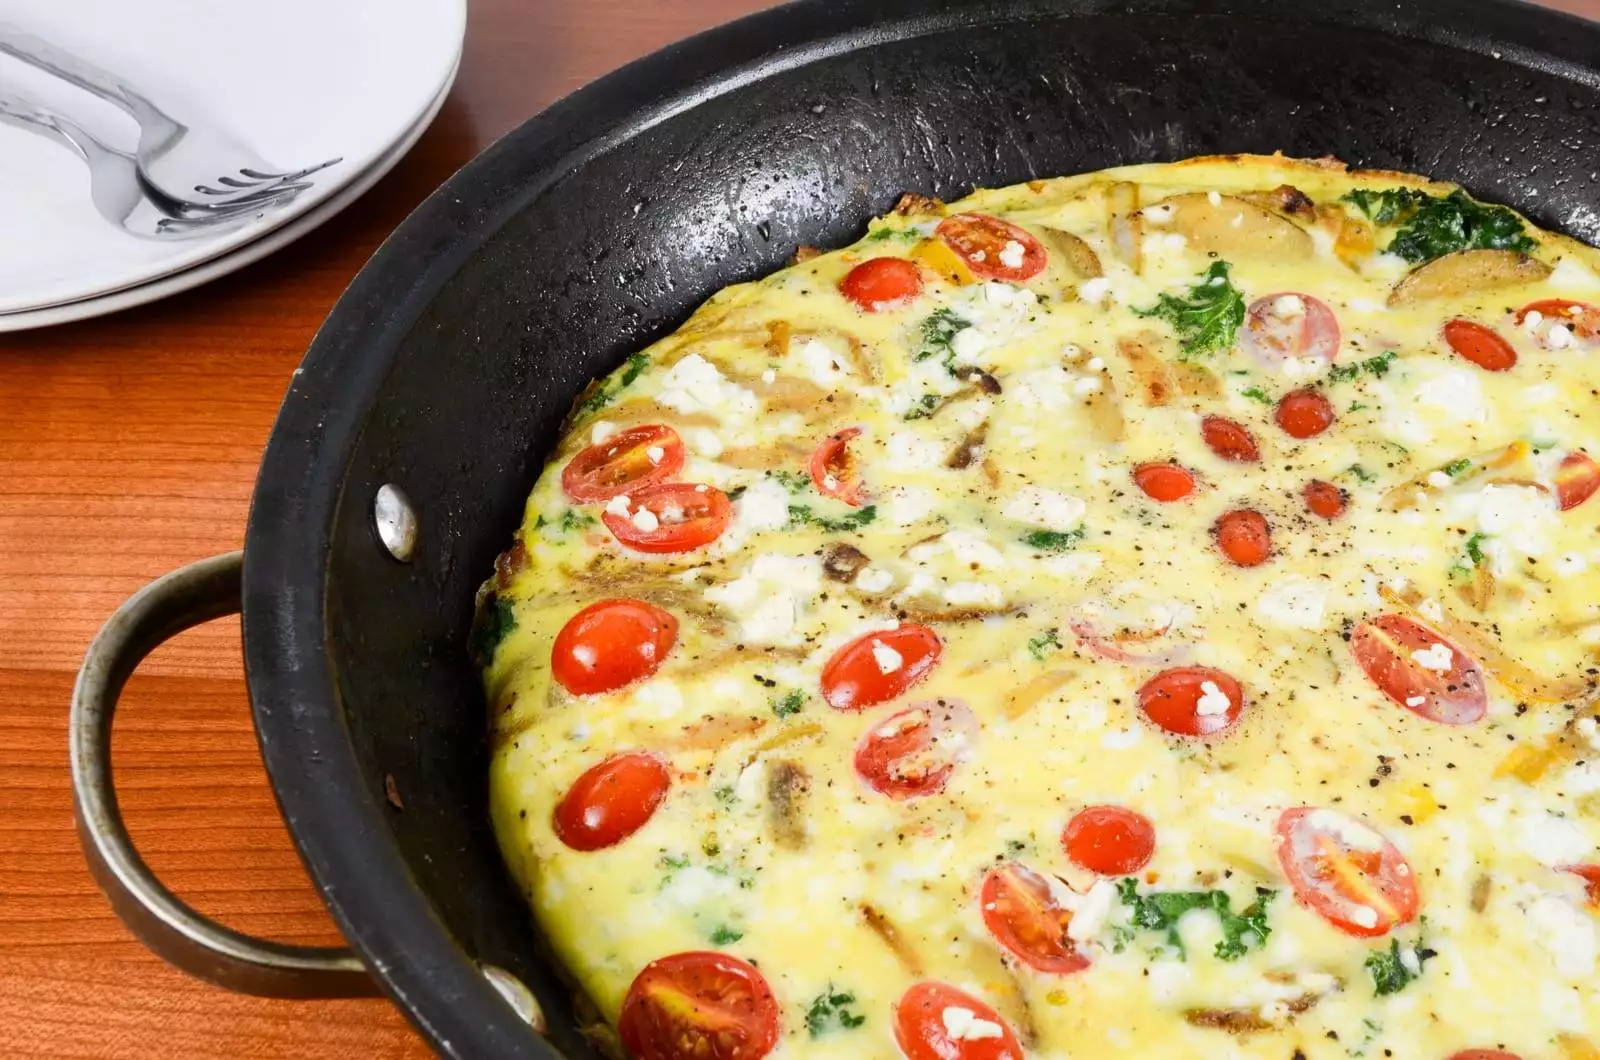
{"x":316,"y":79}
{"x":245,"y":255}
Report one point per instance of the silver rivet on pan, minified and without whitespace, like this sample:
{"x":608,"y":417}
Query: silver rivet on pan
{"x":396,"y":521}
{"x":517,"y":995}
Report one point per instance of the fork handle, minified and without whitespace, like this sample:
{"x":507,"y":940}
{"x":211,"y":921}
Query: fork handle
{"x":14,"y":110}
{"x":40,"y":53}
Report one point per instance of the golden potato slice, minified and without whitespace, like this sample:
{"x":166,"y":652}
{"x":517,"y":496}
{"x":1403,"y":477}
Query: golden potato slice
{"x":1231,"y":227}
{"x":1077,"y":254}
{"x":1464,"y":272}
{"x":1125,"y":224}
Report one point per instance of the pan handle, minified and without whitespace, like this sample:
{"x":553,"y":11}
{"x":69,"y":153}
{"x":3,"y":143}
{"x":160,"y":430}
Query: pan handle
{"x":173,"y":930}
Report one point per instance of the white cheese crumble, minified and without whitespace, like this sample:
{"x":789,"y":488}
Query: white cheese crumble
{"x":973,"y":594}
{"x":1214,"y":198}
{"x":770,"y":597}
{"x":695,"y":385}
{"x":1295,"y":602}
{"x":1416,"y":701}
{"x":874,"y":579}
{"x":904,"y":505}
{"x":1045,"y":508}
{"x":1553,"y":841}
{"x":1095,"y":291}
{"x":1558,"y":337}
{"x":1436,"y":657}
{"x":824,"y":366}
{"x":704,"y":441}
{"x":1011,"y":254}
{"x":601,"y":431}
{"x":1212,"y":701}
{"x":909,"y":451}
{"x":1043,"y":389}
{"x":968,"y":345}
{"x":655,"y":453}
{"x":887,"y":658}
{"x":764,"y":505}
{"x":964,"y":1025}
{"x":621,"y":504}
{"x":1093,"y":912}
{"x":1364,"y":916}
{"x":1159,"y":214}
{"x":1567,"y":933}
{"x":1288,"y":305}
{"x":646,"y":520}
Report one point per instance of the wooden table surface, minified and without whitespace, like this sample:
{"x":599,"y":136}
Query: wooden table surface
{"x":128,"y":446}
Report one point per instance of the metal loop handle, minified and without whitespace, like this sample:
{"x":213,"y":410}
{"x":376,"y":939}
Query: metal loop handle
{"x":172,"y":929}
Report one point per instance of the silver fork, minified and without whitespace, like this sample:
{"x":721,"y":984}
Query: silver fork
{"x":116,"y":190}
{"x":195,"y":167}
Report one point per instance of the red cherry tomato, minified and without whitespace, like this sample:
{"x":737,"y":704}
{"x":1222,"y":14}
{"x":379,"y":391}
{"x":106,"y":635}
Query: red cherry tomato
{"x":1021,"y":912}
{"x":912,"y":754}
{"x":639,"y":456}
{"x":1244,"y":537}
{"x":878,"y":666}
{"x":1579,"y":318}
{"x":1164,"y":481}
{"x":699,"y":1006}
{"x":611,"y":800}
{"x":1179,"y":701}
{"x":1110,"y":840}
{"x":1345,"y":871}
{"x":1325,"y":499}
{"x":923,"y":1018}
{"x":1577,"y":478}
{"x":992,"y":248}
{"x":1484,"y":1054}
{"x":833,"y":468}
{"x":1446,"y":690}
{"x":682,"y":516}
{"x":1229,"y":440}
{"x":1590,"y":874}
{"x":610,"y":644}
{"x":1304,"y":413}
{"x":881,"y":284}
{"x":1479,"y":344}
{"x":1277,"y":328}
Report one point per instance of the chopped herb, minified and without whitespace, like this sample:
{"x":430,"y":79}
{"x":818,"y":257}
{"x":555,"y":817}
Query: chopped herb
{"x":606,"y":392}
{"x":886,"y":232}
{"x":926,"y":406}
{"x":496,"y":620}
{"x":724,"y":794}
{"x":1375,"y":366}
{"x":1015,"y":847}
{"x":672,"y":864}
{"x":1372,"y":1029}
{"x":1456,"y":467}
{"x":1436,"y":226}
{"x":801,"y":514}
{"x":829,"y":1009}
{"x":571,"y":519}
{"x":1208,"y":317}
{"x":1391,"y":974}
{"x":1052,"y":540}
{"x":1255,"y":393}
{"x":1044,"y":644}
{"x":1355,"y":406}
{"x":1361,"y":473}
{"x":1474,"y":548}
{"x":939,"y":329}
{"x":724,"y":935}
{"x":791,"y":703}
{"x":1161,"y":911}
{"x":792,"y":481}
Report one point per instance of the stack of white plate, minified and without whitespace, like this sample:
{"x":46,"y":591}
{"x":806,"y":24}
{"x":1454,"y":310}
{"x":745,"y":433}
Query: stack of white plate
{"x":298,"y":81}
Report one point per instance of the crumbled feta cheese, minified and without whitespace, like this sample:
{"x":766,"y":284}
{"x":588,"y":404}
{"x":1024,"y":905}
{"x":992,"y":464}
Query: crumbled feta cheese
{"x":1531,"y":320}
{"x":910,"y":451}
{"x":874,"y":579}
{"x":1438,"y":479}
{"x":1043,"y":389}
{"x":1295,"y":602}
{"x":1553,"y":841}
{"x":1559,"y":337}
{"x":1121,"y":739}
{"x":764,"y":505}
{"x":1416,"y":701}
{"x":1095,"y":291}
{"x":824,"y":366}
{"x":1521,"y":516}
{"x":1288,"y":305}
{"x":1567,"y":933}
{"x":645,"y":520}
{"x":1159,"y":214}
{"x":656,"y":453}
{"x":1086,"y":385}
{"x":621,"y":505}
{"x":1589,"y":729}
{"x":1364,"y":916}
{"x":1096,"y":364}
{"x":964,"y":1025}
{"x":1167,"y":979}
{"x":1011,"y":254}
{"x":695,"y":385}
{"x":1214,"y":198}
{"x":1045,"y":508}
{"x":1436,"y":657}
{"x":904,"y":505}
{"x":972,"y":548}
{"x":968,"y":344}
{"x":770,"y":597}
{"x":887,"y":658}
{"x":973,"y":594}
{"x":601,"y":431}
{"x":704,"y":441}
{"x":1212,"y":701}
{"x":1457,"y":392}
{"x":769,"y":375}
{"x":1430,"y":609}
{"x":1093,"y":911}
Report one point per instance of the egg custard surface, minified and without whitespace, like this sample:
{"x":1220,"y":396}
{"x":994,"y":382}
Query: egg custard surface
{"x":1148,"y":613}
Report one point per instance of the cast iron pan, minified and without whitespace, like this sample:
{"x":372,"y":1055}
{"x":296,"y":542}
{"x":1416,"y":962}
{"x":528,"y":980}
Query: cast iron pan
{"x":596,"y":228}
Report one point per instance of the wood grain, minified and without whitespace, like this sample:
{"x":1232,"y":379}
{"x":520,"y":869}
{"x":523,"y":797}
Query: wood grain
{"x":128,"y":446}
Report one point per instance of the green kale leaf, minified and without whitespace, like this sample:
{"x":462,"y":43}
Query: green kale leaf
{"x":1208,"y":317}
{"x":1433,"y":226}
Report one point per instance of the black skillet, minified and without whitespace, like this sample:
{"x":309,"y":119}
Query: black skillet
{"x":595,"y":228}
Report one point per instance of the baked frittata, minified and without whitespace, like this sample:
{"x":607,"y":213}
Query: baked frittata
{"x":1149,"y":613}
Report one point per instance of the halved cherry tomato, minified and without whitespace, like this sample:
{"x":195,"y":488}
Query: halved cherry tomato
{"x":1179,"y":701}
{"x":1021,"y":912}
{"x":699,"y":1006}
{"x":1581,"y":319}
{"x":1325,"y":499}
{"x":610,"y":644}
{"x":878,"y":666}
{"x":1110,"y":840}
{"x":671,"y":517}
{"x":1289,"y":324}
{"x":1480,"y":344}
{"x":912,"y":754}
{"x":1244,"y":537}
{"x":1577,"y":478}
{"x":1229,"y":440}
{"x":1164,"y":481}
{"x":928,"y":1017}
{"x":628,"y":460}
{"x":992,"y":248}
{"x":880,"y":284}
{"x":611,"y":800}
{"x":1345,"y":871}
{"x":1484,"y":1054}
{"x":1304,"y":413}
{"x":1449,"y":691}
{"x":833,"y":468}
{"x":1590,"y":874}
